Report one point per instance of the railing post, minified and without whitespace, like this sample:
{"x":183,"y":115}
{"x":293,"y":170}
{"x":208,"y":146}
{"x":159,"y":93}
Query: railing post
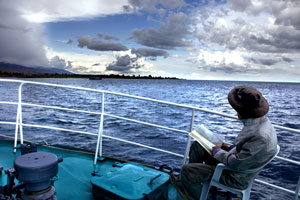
{"x":188,"y":144}
{"x":100,"y":132}
{"x":19,"y":118}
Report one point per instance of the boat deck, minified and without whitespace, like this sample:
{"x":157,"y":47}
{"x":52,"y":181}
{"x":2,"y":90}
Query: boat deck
{"x":74,"y":172}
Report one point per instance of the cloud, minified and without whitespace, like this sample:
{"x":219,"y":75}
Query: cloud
{"x":290,"y":16}
{"x":286,"y":12}
{"x":279,"y":33}
{"x":124,"y":64}
{"x":219,"y":58}
{"x":286,"y":59}
{"x":96,"y":45}
{"x":80,"y":62}
{"x":20,"y":41}
{"x":273,"y":27}
{"x":65,"y":10}
{"x":60,"y":63}
{"x":263,"y":34}
{"x":248,"y":6}
{"x":69,"y":42}
{"x":108,"y":37}
{"x":239,"y":65}
{"x":144,"y":52}
{"x":233,"y":69}
{"x":264,"y":61}
{"x":153,"y":5}
{"x":169,"y":35}
{"x":277,"y":39}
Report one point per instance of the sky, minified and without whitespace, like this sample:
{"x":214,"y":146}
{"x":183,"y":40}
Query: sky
{"x":249,"y":40}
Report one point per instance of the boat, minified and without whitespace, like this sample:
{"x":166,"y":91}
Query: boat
{"x":95,"y":78}
{"x":73,"y":173}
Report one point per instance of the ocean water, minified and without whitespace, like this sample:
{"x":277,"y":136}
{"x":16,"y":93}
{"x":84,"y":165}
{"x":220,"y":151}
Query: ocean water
{"x":284,"y":110}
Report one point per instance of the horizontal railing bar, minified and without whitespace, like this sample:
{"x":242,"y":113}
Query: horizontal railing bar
{"x":95,"y":134}
{"x":59,"y":129}
{"x":8,"y":123}
{"x":275,"y":186}
{"x":142,"y":145}
{"x":146,"y":123}
{"x":8,"y":102}
{"x":286,"y":128}
{"x":61,"y":108}
{"x":288,"y":160}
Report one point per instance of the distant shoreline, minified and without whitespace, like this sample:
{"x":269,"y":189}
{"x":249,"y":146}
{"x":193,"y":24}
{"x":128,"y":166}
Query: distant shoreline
{"x":91,"y":77}
{"x":116,"y":76}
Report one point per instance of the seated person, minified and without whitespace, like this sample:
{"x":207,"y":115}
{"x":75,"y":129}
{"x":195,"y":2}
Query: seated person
{"x":255,"y":145}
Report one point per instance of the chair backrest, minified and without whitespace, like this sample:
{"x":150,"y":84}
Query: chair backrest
{"x":258,"y":169}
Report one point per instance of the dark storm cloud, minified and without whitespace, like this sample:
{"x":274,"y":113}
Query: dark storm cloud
{"x":144,"y":52}
{"x":169,"y":35}
{"x":108,"y":37}
{"x":20,"y":41}
{"x":289,"y":15}
{"x":96,"y":45}
{"x":264,"y":61}
{"x":124,"y":64}
{"x":60,"y":63}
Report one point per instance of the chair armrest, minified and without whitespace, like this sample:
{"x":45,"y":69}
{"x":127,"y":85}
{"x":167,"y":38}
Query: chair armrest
{"x":220,"y":167}
{"x":218,"y":171}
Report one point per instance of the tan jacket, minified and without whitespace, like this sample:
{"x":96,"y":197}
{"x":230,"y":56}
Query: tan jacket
{"x":255,"y":145}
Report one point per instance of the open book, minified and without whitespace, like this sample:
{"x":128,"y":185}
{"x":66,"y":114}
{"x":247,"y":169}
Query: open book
{"x":206,"y":138}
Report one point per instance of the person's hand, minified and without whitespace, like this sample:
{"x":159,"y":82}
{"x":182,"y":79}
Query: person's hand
{"x":214,"y":148}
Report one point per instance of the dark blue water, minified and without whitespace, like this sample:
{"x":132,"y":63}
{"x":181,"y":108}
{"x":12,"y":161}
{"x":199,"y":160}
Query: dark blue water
{"x":284,"y":110}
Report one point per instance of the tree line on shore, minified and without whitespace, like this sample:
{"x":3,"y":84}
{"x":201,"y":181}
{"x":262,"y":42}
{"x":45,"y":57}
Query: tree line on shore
{"x":89,"y":76}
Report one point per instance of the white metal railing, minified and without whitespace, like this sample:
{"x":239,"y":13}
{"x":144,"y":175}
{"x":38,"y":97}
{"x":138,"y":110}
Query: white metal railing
{"x":19,"y":123}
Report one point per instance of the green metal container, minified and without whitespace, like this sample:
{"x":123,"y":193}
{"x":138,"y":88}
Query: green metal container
{"x":131,"y":181}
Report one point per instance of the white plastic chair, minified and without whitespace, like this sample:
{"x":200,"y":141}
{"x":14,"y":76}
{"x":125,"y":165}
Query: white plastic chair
{"x":217,"y":174}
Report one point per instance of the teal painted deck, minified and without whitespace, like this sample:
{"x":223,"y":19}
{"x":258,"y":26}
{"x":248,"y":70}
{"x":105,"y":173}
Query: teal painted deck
{"x":74,"y":172}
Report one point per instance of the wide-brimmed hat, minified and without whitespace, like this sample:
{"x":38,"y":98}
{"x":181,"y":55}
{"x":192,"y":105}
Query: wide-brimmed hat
{"x":248,"y":102}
